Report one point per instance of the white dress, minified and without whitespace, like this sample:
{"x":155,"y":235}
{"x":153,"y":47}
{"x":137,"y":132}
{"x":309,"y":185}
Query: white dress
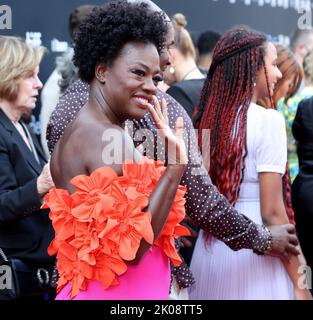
{"x":221,"y":273}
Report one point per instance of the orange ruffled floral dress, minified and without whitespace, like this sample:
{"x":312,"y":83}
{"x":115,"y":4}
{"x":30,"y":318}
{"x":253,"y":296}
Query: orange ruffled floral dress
{"x":99,"y":227}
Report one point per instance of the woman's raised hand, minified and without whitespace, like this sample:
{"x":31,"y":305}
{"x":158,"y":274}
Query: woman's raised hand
{"x":176,"y":148}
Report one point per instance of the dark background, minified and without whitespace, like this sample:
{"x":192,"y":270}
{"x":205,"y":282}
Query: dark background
{"x":51,"y":17}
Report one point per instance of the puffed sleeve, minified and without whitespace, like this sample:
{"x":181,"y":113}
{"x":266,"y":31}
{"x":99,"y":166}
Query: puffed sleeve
{"x":271,"y":143}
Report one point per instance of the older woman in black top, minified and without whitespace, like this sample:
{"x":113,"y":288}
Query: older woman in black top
{"x":25,"y":229}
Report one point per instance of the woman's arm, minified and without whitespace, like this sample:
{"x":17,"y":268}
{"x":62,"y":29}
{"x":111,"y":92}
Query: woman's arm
{"x":161,"y":199}
{"x":160,"y":203}
{"x":274,"y":213}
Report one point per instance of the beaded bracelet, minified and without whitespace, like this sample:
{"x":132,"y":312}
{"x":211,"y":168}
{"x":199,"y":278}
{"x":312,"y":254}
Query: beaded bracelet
{"x":269,"y":247}
{"x":269,"y":244}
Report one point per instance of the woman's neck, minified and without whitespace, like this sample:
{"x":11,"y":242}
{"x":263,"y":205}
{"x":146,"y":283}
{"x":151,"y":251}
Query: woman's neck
{"x":255,"y":96}
{"x":100,"y":104}
{"x":189,"y":70}
{"x":10,"y":110}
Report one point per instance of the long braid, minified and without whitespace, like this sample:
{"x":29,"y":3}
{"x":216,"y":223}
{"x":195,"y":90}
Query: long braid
{"x":224,"y":104}
{"x":268,"y":88}
{"x":287,"y":195}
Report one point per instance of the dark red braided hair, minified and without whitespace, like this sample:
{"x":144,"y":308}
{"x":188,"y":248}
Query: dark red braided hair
{"x":224,"y":102}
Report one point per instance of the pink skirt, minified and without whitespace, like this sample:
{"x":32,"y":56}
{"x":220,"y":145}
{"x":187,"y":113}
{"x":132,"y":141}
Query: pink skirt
{"x":149,"y":280}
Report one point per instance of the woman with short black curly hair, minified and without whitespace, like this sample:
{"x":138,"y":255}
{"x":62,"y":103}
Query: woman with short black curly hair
{"x":115,"y":221}
{"x":102,"y":37}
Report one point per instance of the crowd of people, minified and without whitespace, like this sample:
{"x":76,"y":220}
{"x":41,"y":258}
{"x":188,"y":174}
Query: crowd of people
{"x":127,"y":189}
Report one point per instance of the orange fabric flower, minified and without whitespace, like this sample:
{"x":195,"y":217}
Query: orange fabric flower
{"x":173,"y":229}
{"x":102,"y":223}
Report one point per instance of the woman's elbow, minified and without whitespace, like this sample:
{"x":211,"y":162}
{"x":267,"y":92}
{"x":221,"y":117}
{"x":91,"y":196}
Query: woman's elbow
{"x":274,"y":217}
{"x":144,"y":247}
{"x":137,"y":259}
{"x":270,"y":220}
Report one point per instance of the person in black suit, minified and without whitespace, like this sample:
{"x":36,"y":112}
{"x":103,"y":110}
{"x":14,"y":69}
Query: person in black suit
{"x":302,"y":187}
{"x":25,"y":229}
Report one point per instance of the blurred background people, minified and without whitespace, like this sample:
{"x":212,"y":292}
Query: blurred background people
{"x":25,"y":229}
{"x":205,"y":46}
{"x":289,"y":109}
{"x":301,"y":42}
{"x":292,"y":75}
{"x":307,"y":90}
{"x":183,"y":76}
{"x":63,"y":75}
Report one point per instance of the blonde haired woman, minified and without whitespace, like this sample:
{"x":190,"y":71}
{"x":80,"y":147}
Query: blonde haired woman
{"x":25,"y":229}
{"x":183,"y":76}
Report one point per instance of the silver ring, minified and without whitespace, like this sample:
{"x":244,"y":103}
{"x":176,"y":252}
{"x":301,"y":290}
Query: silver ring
{"x":43,"y":273}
